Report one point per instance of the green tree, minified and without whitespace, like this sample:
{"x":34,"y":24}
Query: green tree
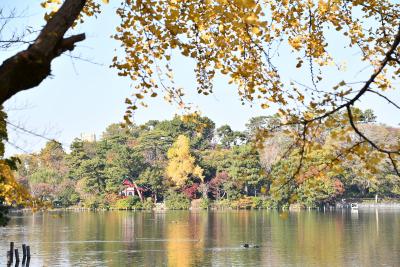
{"x":257,"y":125}
{"x":318,"y":184}
{"x":228,"y":138}
{"x":92,"y":173}
{"x":154,"y":144}
{"x":67,"y":194}
{"x":79,"y":153}
{"x":213,"y":161}
{"x":245,"y":168}
{"x":52,"y":155}
{"x":122,"y":162}
{"x":153,"y":178}
{"x":114,"y":133}
{"x":200,"y":130}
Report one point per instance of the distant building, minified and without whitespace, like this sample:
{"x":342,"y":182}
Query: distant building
{"x":130,"y":189}
{"x":88,"y":137}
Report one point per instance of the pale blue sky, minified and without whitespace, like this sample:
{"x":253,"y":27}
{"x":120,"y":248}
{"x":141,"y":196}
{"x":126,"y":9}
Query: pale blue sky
{"x":81,"y":97}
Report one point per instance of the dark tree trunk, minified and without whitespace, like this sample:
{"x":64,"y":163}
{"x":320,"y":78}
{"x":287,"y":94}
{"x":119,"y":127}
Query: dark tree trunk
{"x":30,"y":67}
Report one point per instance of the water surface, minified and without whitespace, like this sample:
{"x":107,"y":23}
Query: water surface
{"x":201,"y":238}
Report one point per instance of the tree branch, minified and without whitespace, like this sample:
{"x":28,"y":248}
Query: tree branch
{"x":30,"y":67}
{"x":365,"y":88}
{"x":389,"y":153}
{"x":385,"y":97}
{"x":393,"y":161}
{"x":373,"y":144}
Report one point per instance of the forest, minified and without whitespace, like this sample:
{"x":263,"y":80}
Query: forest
{"x":188,"y":158}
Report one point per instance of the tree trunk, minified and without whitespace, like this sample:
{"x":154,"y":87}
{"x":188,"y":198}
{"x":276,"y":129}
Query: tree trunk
{"x":138,"y":191}
{"x":30,"y":67}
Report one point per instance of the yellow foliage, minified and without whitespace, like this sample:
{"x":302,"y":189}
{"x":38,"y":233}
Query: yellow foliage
{"x":11,"y":192}
{"x":181,"y":165}
{"x":240,"y":38}
{"x":235,"y":38}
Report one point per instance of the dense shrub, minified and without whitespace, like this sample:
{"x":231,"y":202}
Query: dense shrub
{"x":148,"y":204}
{"x":103,"y":203}
{"x":74,"y":198}
{"x":191,"y":191}
{"x":130,"y":202}
{"x":222,"y":204}
{"x":264,"y":203}
{"x":257,"y":203}
{"x":204,"y":203}
{"x":91,"y":202}
{"x":177,"y":201}
{"x":245,"y":203}
{"x":68,"y":197}
{"x":242,"y":203}
{"x":122,"y":204}
{"x":269,"y":204}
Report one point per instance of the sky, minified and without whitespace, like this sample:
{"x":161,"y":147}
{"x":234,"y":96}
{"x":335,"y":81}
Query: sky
{"x":86,"y":97}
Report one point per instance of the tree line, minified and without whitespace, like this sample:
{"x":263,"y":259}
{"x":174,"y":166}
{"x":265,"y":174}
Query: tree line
{"x":184,"y":159}
{"x":241,"y":40}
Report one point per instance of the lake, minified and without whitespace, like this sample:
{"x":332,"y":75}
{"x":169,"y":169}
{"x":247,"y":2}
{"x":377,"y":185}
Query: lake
{"x":201,"y":238}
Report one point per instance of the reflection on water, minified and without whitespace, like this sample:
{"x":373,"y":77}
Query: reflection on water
{"x":183,"y":238}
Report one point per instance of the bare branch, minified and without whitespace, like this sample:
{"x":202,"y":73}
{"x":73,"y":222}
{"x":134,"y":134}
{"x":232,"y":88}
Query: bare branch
{"x":384,"y":97}
{"x":389,"y":153}
{"x":373,"y":144}
{"x":22,"y":129}
{"x":365,"y":88}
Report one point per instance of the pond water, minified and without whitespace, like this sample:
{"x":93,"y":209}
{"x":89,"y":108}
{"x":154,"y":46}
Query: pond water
{"x":201,"y":238}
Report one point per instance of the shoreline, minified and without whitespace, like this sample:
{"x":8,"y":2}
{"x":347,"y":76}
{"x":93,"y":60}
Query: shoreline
{"x":293,"y":207}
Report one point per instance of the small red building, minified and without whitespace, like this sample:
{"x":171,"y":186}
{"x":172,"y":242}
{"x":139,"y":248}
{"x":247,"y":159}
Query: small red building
{"x":131,"y":189}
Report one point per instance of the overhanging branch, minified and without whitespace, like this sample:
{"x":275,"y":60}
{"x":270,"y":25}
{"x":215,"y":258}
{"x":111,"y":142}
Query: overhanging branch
{"x":366,"y":86}
{"x":389,"y":153}
{"x":30,"y":67}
